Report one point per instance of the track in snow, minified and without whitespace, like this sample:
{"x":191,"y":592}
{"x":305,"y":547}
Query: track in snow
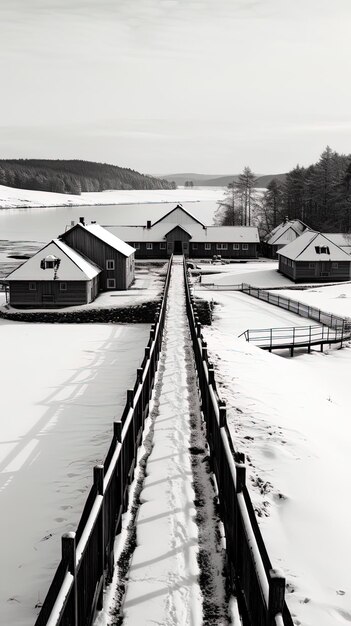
{"x":176,"y":574}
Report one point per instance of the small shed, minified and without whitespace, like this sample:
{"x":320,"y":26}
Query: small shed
{"x":56,"y":276}
{"x":111,"y":254}
{"x":313,"y":257}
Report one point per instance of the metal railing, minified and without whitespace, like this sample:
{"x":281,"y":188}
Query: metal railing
{"x":295,"y":336}
{"x":260,"y":589}
{"x":87,"y":562}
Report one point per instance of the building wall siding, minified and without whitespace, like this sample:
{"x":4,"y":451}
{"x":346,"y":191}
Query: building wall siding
{"x":301,"y":271}
{"x":196,"y":250}
{"x":99,"y":252}
{"x":78,"y":292}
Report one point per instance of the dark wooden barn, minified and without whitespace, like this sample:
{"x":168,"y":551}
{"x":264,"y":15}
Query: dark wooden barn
{"x":179,"y":232}
{"x":313,"y":257}
{"x":54,"y":277}
{"x":111,"y":254}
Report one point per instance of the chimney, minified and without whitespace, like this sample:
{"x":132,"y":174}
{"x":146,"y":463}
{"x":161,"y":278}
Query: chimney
{"x":93,"y":222}
{"x":72,"y":222}
{"x":286,"y":219}
{"x":82,"y":221}
{"x":148,"y":224}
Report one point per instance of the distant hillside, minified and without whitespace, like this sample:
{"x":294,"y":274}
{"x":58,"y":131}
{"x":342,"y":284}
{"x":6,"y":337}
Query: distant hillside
{"x":207,"y":180}
{"x":73,"y":177}
{"x":180,"y":179}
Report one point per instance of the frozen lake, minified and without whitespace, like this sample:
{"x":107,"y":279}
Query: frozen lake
{"x":44,"y":224}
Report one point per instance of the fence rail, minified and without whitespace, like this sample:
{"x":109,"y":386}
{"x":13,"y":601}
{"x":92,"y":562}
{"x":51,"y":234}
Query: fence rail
{"x":259,"y":588}
{"x":87,"y":562}
{"x":295,"y":336}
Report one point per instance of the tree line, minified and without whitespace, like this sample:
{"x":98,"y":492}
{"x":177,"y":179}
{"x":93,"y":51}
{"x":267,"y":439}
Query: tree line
{"x":319,"y":195}
{"x":74,"y":176}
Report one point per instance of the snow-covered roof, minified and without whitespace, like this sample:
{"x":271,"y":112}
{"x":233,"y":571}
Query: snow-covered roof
{"x":198,"y":233}
{"x":109,"y":238}
{"x":279,"y":234}
{"x":179,"y":215}
{"x":73,"y":266}
{"x":304,"y":248}
{"x":343,"y":240}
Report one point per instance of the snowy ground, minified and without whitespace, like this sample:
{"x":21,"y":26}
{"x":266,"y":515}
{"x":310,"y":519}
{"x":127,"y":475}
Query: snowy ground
{"x":11,"y":197}
{"x":257,"y":274}
{"x":335,"y":299}
{"x":291,"y":418}
{"x":61,"y":388}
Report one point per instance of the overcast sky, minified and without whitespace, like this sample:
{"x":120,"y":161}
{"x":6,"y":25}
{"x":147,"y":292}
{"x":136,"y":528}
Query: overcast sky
{"x":167,"y":86}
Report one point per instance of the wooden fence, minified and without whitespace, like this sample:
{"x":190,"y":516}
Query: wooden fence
{"x":87,"y":561}
{"x":259,"y":588}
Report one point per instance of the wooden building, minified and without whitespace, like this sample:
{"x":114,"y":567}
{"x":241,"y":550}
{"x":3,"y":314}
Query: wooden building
{"x":314,"y":257}
{"x":56,"y":276}
{"x":179,"y":232}
{"x":111,"y":254}
{"x":281,"y":236}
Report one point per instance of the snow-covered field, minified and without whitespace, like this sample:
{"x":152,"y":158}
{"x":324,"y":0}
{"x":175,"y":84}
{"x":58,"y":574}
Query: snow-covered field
{"x":61,"y":388}
{"x":256,"y":273}
{"x":291,"y":417}
{"x":11,"y":197}
{"x":335,"y":299}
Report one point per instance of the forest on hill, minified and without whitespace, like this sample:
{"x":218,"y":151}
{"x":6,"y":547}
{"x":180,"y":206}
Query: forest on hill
{"x":75,"y":176}
{"x":319,"y":195}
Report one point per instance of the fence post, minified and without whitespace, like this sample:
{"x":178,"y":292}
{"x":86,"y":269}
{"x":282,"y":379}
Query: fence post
{"x":204,"y":351}
{"x":130,"y":397}
{"x":222,"y":415}
{"x":68,"y":547}
{"x":140,"y":375}
{"x":117,"y":431}
{"x":152,"y":331}
{"x":240,"y":476}
{"x":147,"y":352}
{"x":211,"y":375}
{"x":99,"y":482}
{"x":276,"y":594}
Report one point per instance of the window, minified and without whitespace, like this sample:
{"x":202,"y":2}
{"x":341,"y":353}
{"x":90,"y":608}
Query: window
{"x":149,"y":246}
{"x":335,"y":265}
{"x":32,"y":286}
{"x":194,"y":245}
{"x":207,"y":246}
{"x":311,"y":266}
{"x":322,"y":249}
{"x":110,"y":264}
{"x":63,"y":286}
{"x":111,"y":283}
{"x":245,"y":246}
{"x":222,"y":246}
{"x":136,"y":246}
{"x":162,"y":246}
{"x":236,"y":246}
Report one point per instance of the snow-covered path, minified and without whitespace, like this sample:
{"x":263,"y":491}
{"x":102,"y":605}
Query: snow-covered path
{"x":163,"y":583}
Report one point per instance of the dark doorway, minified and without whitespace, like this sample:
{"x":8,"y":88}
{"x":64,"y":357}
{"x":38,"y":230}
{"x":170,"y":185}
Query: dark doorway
{"x":178,"y":248}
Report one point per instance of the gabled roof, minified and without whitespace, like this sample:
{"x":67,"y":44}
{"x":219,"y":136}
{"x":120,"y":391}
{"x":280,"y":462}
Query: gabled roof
{"x":181,"y":228}
{"x":279,"y":231}
{"x":106,"y":236}
{"x":73,"y":266}
{"x":177,"y":208}
{"x":304,"y":248}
